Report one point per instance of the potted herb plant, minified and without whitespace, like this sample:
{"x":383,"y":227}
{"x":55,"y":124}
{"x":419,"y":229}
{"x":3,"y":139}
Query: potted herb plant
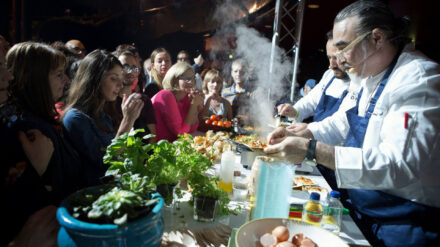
{"x":125,"y":211}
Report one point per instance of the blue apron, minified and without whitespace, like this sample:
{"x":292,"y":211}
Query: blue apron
{"x":326,"y":107}
{"x":387,"y":220}
{"x":327,"y":104}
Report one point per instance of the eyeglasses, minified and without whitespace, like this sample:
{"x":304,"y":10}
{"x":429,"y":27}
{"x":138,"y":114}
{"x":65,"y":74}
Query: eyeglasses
{"x":127,"y":68}
{"x":191,"y":78}
{"x":340,"y":54}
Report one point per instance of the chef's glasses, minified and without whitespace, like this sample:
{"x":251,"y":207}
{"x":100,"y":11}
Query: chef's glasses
{"x":340,"y":54}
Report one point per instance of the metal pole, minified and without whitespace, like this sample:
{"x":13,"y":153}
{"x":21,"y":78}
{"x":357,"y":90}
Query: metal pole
{"x":276,"y":26}
{"x":300,"y":15}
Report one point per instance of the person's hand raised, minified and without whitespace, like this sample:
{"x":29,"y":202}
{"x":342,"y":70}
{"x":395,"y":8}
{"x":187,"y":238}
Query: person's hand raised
{"x":132,"y":106}
{"x":196,"y":97}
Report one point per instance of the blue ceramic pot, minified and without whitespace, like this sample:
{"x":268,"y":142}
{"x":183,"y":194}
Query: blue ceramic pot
{"x":146,"y":231}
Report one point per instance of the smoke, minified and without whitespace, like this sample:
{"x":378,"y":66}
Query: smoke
{"x":256,"y":50}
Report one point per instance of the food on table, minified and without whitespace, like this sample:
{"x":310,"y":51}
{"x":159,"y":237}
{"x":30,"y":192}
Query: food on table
{"x":281,"y":233}
{"x":314,"y":188}
{"x":285,"y":244}
{"x":217,"y":121}
{"x":268,"y":240}
{"x":280,"y":236}
{"x":300,"y":241}
{"x":300,"y":181}
{"x":212,"y":144}
{"x":251,"y":141}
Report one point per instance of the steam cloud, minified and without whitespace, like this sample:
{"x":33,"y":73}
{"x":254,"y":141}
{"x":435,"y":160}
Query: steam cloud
{"x":256,"y":50}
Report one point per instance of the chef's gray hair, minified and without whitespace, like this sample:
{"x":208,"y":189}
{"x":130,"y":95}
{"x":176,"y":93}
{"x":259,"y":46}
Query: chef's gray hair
{"x":375,"y":14}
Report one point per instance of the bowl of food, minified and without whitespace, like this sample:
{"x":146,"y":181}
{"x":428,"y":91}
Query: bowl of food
{"x":284,"y":233}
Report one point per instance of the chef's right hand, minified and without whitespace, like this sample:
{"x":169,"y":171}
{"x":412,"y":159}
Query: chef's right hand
{"x":278,"y":136}
{"x":286,"y":110}
{"x":40,"y":229}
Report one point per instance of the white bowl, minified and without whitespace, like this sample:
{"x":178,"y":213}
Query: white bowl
{"x":249,"y":234}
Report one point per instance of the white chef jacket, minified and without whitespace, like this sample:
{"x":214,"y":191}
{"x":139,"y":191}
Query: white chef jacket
{"x":306,"y":106}
{"x":324,"y":130}
{"x":401,"y":161}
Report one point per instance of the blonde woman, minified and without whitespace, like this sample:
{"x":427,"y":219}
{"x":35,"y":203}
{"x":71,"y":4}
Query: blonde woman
{"x":177,"y":106}
{"x":160,"y":64}
{"x":214,"y":104}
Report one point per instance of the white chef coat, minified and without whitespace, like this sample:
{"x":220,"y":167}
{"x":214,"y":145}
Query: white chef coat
{"x":324,"y":130}
{"x":401,"y":161}
{"x":306,"y":106}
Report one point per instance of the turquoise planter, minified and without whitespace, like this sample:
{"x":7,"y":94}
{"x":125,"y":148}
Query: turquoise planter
{"x":146,"y":231}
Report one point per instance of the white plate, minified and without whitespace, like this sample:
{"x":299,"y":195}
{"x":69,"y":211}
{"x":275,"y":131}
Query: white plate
{"x":249,"y":234}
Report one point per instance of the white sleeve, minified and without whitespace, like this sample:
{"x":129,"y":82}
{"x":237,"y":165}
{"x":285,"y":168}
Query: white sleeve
{"x":395,"y":155}
{"x":306,"y":105}
{"x":333,"y":129}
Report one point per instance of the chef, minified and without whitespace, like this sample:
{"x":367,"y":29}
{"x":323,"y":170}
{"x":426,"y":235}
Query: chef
{"x":326,"y":97}
{"x":390,"y":161}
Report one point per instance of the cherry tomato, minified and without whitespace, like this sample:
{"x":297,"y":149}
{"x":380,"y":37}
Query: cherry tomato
{"x":208,"y":122}
{"x":215,"y":122}
{"x":219,"y":118}
{"x":213,"y":118}
{"x":220,"y":124}
{"x":227,"y":124}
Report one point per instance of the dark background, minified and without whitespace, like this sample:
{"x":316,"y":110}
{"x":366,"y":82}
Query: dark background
{"x":186,"y":24}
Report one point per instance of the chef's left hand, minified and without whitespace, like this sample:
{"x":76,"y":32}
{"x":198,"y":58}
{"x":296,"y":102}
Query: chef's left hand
{"x":297,"y":127}
{"x":293,"y":148}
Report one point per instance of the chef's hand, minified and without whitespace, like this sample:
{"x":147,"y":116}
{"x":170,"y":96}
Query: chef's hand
{"x":278,"y":135}
{"x":40,"y":229}
{"x":38,"y":149}
{"x":292,"y":148}
{"x":286,"y":110}
{"x":297,"y":127}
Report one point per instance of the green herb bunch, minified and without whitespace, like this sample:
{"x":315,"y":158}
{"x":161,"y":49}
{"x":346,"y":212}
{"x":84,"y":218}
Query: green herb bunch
{"x":202,"y":184}
{"x":127,"y":153}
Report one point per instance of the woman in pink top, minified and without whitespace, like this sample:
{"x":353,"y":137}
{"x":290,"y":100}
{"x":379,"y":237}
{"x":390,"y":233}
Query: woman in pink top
{"x":177,"y":106}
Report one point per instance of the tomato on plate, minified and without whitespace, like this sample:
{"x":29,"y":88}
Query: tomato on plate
{"x":220,"y":124}
{"x":213,"y":118}
{"x":219,"y":118}
{"x":227,"y":124}
{"x":208,"y":122}
{"x":215,"y":122}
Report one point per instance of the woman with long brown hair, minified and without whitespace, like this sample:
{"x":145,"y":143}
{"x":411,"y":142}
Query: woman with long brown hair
{"x":160,"y":64}
{"x":39,"y":166}
{"x":90,"y":116}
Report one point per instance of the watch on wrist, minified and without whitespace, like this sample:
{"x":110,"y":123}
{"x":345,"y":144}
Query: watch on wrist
{"x":310,"y":156}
